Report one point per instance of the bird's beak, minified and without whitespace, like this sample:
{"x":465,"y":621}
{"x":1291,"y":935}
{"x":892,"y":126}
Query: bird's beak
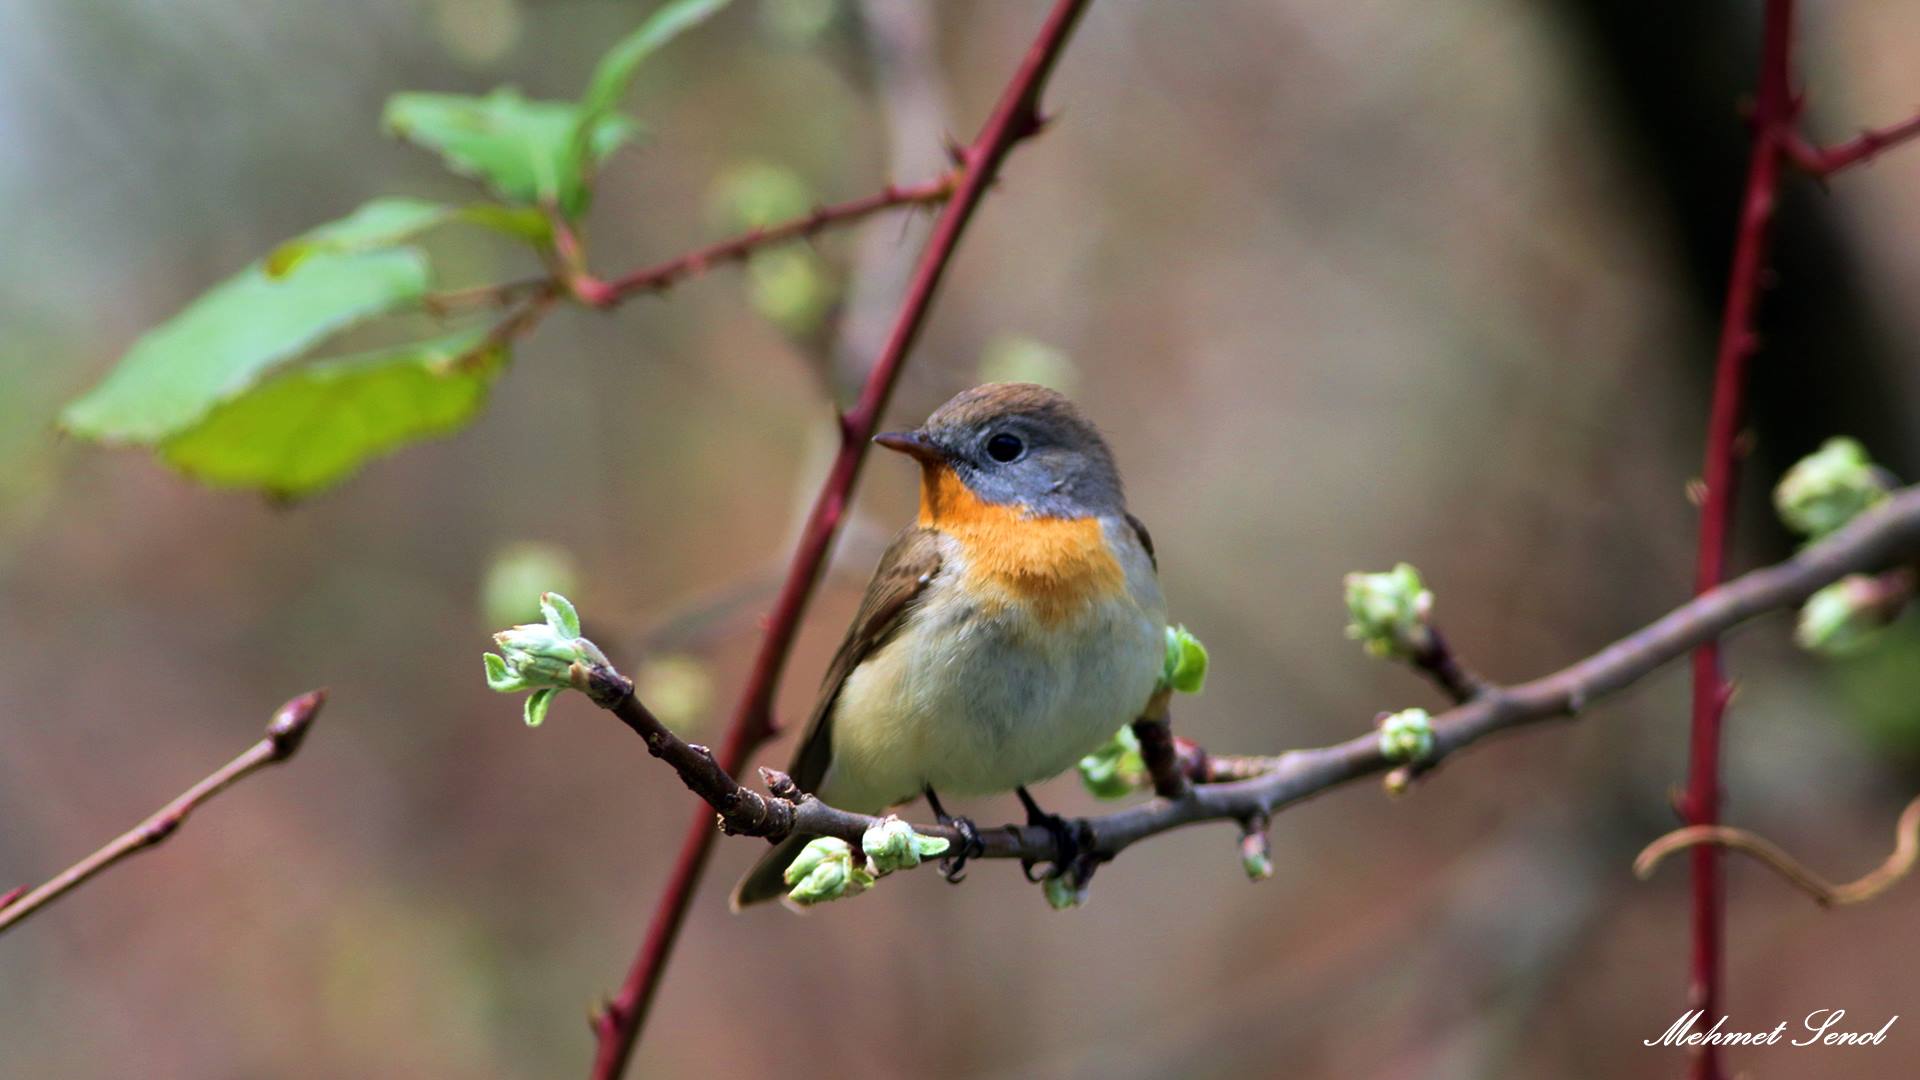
{"x":914,"y":444}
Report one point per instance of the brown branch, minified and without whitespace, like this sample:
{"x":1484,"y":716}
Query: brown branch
{"x":1014,"y":118}
{"x":284,"y":734}
{"x":1906,"y":852}
{"x":1437,"y":662}
{"x":1884,"y":536}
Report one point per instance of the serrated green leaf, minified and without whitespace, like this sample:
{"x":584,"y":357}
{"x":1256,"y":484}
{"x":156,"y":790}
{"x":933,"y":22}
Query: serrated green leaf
{"x":523,"y":150}
{"x":312,"y":425}
{"x":614,"y":74}
{"x":221,"y":343}
{"x":382,"y":223}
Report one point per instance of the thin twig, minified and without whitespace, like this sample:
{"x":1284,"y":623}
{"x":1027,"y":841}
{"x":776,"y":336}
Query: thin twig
{"x":664,"y":275}
{"x":1823,"y":161}
{"x":1014,"y":118}
{"x":284,"y":734}
{"x":1906,"y":850}
{"x":1885,"y":536}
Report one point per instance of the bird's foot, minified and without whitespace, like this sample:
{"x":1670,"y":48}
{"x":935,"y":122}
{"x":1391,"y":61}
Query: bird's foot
{"x":1067,"y":846}
{"x":954,"y":866}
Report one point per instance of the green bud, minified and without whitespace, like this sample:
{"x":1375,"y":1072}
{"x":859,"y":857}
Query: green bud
{"x":543,"y":657}
{"x":1843,"y":617}
{"x":537,"y":705}
{"x":816,"y":852}
{"x":1829,"y":487}
{"x":1185,"y":668}
{"x":560,"y":614}
{"x":1062,"y":894}
{"x":1406,"y":735}
{"x":501,"y":679}
{"x":1257,"y":861}
{"x":1389,"y":612}
{"x":893,"y":845}
{"x":829,"y":873}
{"x":1116,"y":770}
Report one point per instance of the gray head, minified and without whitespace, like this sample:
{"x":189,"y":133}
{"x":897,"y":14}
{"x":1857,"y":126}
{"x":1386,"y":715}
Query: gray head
{"x":1022,"y":445}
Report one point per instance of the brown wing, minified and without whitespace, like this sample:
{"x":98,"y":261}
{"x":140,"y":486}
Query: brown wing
{"x":909,"y":563}
{"x":1146,"y":540}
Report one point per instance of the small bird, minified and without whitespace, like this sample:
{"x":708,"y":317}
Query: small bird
{"x":1006,"y":634}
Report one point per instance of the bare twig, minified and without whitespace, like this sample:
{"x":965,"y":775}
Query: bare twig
{"x":1884,"y":536}
{"x":1438,"y":663}
{"x":1824,"y":161}
{"x":1014,"y":118}
{"x":664,"y":275}
{"x":1897,"y":866}
{"x":284,"y":734}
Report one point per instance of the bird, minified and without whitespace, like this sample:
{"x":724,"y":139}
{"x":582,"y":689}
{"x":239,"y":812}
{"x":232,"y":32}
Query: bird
{"x":1012,"y":629}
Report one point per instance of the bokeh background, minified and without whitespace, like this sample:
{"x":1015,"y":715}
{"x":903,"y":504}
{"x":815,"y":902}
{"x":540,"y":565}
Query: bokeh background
{"x":1346,"y":283}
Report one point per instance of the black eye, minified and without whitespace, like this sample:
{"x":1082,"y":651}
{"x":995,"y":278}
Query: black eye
{"x":1004,"y":447}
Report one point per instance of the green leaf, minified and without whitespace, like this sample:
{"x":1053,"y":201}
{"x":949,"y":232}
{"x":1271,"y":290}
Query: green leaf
{"x":614,"y":74}
{"x":382,"y":223}
{"x":225,"y":340}
{"x":312,"y":425}
{"x":537,"y":704}
{"x":523,"y":150}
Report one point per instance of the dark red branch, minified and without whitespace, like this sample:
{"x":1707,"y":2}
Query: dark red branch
{"x":1014,"y":118}
{"x":285,"y":732}
{"x":1824,"y":161}
{"x":665,"y":275}
{"x":1775,"y":113}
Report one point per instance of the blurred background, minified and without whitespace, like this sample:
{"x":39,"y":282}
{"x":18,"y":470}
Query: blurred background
{"x":1345,"y":283}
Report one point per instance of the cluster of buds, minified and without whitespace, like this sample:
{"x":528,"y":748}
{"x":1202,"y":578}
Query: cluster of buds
{"x":1406,"y":736}
{"x":825,"y":869}
{"x":1830,"y":487}
{"x":1389,"y":612}
{"x":544,"y":657}
{"x":1821,"y":493}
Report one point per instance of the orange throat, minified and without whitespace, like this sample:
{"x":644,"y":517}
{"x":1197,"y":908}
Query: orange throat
{"x":1056,"y":567}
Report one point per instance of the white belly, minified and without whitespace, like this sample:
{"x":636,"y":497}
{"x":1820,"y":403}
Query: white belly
{"x":972,"y":700}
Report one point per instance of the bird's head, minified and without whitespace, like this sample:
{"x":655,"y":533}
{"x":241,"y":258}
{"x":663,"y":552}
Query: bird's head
{"x":1016,"y":444}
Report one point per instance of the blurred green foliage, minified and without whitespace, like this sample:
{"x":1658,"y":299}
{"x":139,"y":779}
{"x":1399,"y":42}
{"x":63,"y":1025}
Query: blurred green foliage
{"x":209,"y":389}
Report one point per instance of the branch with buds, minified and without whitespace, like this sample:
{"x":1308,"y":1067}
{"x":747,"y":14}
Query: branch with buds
{"x":1883,"y":534}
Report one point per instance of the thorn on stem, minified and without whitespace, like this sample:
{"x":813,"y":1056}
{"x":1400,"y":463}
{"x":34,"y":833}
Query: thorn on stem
{"x":12,"y":894}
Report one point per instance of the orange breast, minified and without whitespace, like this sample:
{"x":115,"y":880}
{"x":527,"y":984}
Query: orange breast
{"x":1057,"y":566}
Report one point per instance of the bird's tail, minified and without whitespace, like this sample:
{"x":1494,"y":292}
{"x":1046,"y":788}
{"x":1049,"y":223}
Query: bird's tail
{"x":766,"y":881}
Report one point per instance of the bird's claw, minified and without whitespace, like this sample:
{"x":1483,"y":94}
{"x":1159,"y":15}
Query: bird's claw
{"x":1067,"y":846}
{"x":954,"y":866}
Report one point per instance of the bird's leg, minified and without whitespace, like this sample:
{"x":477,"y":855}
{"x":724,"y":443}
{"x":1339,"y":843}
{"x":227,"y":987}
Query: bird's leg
{"x":1066,"y":840}
{"x":954,"y":866}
